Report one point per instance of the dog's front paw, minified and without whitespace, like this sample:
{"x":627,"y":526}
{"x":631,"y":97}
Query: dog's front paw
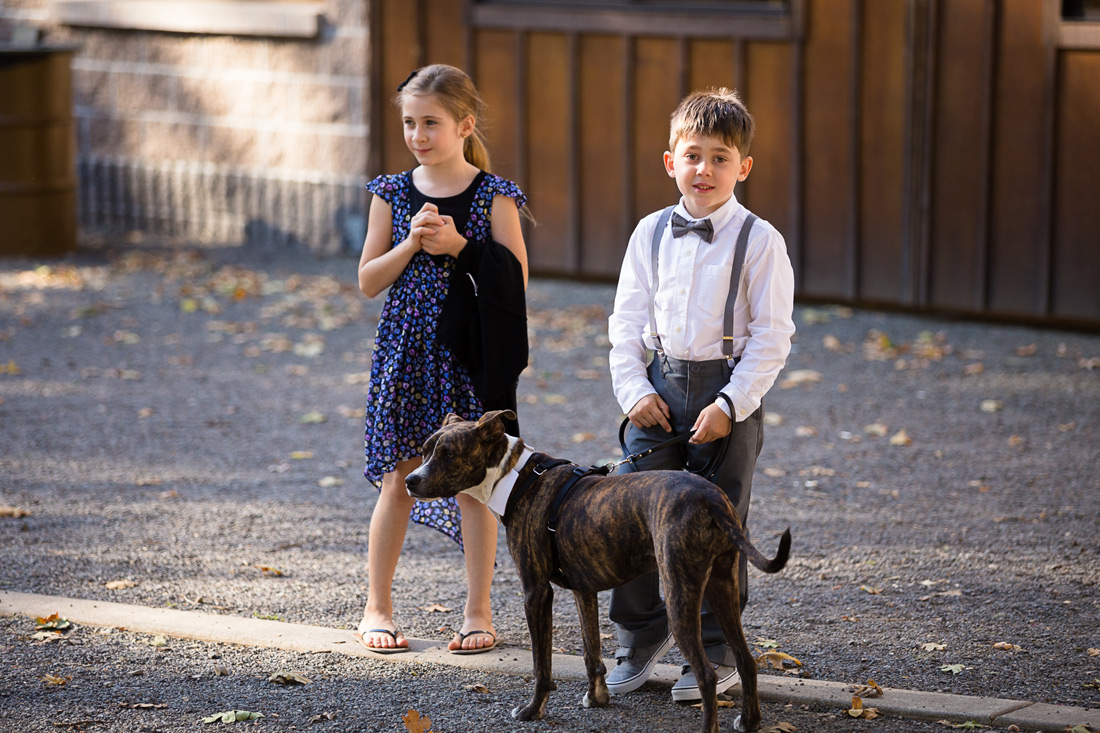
{"x":738,"y":724}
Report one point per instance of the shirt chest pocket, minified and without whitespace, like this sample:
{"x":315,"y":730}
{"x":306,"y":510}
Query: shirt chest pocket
{"x":714,"y":287}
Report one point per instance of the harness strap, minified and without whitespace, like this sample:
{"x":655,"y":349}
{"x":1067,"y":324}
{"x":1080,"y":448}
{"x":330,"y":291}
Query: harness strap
{"x":654,"y":250}
{"x":543,"y":463}
{"x":555,"y":509}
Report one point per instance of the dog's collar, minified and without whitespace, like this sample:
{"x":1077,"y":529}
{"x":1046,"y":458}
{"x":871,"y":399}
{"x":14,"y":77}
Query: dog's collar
{"x":498,"y":499}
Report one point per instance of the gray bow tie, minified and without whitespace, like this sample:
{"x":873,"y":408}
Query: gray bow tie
{"x":702,"y":227}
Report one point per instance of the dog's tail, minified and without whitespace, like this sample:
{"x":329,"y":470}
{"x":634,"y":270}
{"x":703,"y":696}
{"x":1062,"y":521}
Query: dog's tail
{"x":774,"y":565}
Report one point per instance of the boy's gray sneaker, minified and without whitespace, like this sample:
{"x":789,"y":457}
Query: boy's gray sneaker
{"x":686,"y":688}
{"x":633,"y":666}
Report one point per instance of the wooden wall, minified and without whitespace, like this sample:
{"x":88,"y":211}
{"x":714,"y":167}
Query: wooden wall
{"x":936,"y":155}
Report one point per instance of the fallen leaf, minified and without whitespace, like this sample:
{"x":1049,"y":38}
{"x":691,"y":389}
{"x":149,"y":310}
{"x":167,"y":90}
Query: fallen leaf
{"x":832,"y":343}
{"x":972,"y":370}
{"x":119,"y":584}
{"x":931,"y":646}
{"x":11,"y":368}
{"x":778,"y":660}
{"x":328,"y":482}
{"x":1029,"y":350}
{"x":289,"y":678}
{"x":876,"y":429}
{"x":721,"y":704}
{"x":870,"y":589}
{"x":773,"y":419}
{"x":1093,"y":652}
{"x":901,"y":438}
{"x":301,"y":455}
{"x":434,"y":608}
{"x":800,"y":377}
{"x":967,"y":725}
{"x":321,"y":717}
{"x":871,"y":689}
{"x":60,"y":681}
{"x":268,"y":570}
{"x":220,"y":671}
{"x":142,"y":705}
{"x":767,"y":643}
{"x":555,"y":399}
{"x":53,"y":622}
{"x":805,"y":431}
{"x":858,"y":711}
{"x":415,"y":724}
{"x":232,"y":716}
{"x":952,"y":668}
{"x":159,"y":641}
{"x":1006,"y":646}
{"x":583,"y":437}
{"x":312,"y":418}
{"x":992,"y":405}
{"x":478,"y":688}
{"x":779,"y":728}
{"x":13,"y":511}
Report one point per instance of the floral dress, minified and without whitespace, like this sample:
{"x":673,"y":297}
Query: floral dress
{"x":415,"y":381}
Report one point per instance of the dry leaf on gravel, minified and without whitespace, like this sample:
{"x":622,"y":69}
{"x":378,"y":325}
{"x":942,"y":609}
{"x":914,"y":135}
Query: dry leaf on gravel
{"x":416,"y":724}
{"x":13,"y":511}
{"x":232,"y":716}
{"x":1006,"y":646}
{"x":142,"y":705}
{"x":53,"y":622}
{"x":901,"y":438}
{"x":932,"y":646}
{"x":777,"y":660}
{"x":952,"y":668}
{"x":583,"y":437}
{"x":992,"y":405}
{"x":289,"y":678}
{"x":721,"y":704}
{"x":1093,"y":652}
{"x":479,"y":688}
{"x":858,"y":711}
{"x":327,"y":482}
{"x":800,"y":377}
{"x":435,"y":608}
{"x":779,"y":728}
{"x":119,"y":584}
{"x":313,"y":417}
{"x":58,"y":680}
{"x":268,"y":570}
{"x":871,"y":689}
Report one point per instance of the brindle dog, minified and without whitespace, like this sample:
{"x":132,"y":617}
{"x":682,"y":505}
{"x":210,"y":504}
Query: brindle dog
{"x":610,"y":529}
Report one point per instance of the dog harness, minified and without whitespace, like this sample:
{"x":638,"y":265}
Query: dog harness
{"x":544,"y":463}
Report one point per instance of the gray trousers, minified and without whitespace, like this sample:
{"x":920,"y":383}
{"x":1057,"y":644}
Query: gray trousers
{"x":637,"y":608}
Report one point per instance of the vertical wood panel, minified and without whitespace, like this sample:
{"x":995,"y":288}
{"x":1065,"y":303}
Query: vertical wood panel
{"x":656,"y":94}
{"x":959,"y":172}
{"x":1076,"y":274}
{"x":495,"y":72}
{"x":882,"y":150}
{"x":711,"y":64}
{"x":770,"y":99}
{"x":445,"y":41}
{"x":1017,"y":223}
{"x":548,"y":128}
{"x":602,"y":161}
{"x":401,"y":53}
{"x":828,"y":122}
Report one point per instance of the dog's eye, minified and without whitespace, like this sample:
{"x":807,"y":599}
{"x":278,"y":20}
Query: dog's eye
{"x":447,"y":456}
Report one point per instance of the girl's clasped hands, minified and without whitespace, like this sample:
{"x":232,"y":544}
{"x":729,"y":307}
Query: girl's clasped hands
{"x":435,"y":234}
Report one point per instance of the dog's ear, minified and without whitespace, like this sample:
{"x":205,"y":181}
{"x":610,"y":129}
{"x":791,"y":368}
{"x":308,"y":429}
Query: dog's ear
{"x":452,"y":418}
{"x":493,"y":415}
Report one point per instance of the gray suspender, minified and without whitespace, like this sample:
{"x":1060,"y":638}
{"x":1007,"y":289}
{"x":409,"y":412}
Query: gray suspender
{"x":735,"y":280}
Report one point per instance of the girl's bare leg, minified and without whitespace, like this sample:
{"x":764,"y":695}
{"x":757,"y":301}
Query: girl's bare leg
{"x":388,"y":524}
{"x":479,"y":536}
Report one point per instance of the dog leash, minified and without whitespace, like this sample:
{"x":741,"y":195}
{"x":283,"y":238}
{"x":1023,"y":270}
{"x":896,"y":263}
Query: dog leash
{"x":707,"y":471}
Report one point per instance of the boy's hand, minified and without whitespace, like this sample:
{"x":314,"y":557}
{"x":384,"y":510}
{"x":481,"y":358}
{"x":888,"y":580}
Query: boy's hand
{"x":649,"y":411}
{"x":713,"y":423}
{"x":446,"y":240}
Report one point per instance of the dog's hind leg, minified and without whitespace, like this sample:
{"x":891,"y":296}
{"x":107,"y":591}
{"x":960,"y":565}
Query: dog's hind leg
{"x":723,"y":600}
{"x":538,"y":603}
{"x":684,"y":602}
{"x":588,"y":609}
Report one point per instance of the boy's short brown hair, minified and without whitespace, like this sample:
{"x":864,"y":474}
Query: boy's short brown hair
{"x":717,"y":111}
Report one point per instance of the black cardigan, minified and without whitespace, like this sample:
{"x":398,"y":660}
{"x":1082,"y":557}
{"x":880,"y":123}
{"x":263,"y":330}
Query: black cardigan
{"x":484,"y":318}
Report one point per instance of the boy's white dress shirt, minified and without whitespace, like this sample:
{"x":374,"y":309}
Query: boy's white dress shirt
{"x":691,"y":303}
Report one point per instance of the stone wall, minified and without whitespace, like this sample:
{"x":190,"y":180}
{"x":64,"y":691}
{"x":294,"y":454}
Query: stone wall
{"x":218,"y":137}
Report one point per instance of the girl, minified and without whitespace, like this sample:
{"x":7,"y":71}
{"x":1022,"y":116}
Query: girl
{"x":433,"y":231}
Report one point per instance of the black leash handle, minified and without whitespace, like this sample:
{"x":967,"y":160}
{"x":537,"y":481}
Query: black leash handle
{"x":706,"y":471}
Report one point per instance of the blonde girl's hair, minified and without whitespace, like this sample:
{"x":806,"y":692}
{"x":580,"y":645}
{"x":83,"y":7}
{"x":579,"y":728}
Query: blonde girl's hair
{"x":455,"y":91}
{"x":717,"y":112}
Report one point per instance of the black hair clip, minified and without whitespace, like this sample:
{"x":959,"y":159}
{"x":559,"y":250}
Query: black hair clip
{"x":402,"y":85}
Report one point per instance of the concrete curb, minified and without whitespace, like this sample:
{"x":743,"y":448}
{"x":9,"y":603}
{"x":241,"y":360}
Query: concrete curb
{"x":515,"y":660}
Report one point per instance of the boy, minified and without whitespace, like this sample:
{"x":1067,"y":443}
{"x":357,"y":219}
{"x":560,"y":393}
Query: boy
{"x":721,"y":331}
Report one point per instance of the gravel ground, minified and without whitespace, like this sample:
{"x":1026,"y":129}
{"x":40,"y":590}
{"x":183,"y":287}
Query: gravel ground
{"x":190,"y":421}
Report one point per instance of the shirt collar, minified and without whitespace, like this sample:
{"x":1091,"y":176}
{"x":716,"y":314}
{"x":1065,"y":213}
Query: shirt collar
{"x":498,"y":500}
{"x":725,"y":214}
